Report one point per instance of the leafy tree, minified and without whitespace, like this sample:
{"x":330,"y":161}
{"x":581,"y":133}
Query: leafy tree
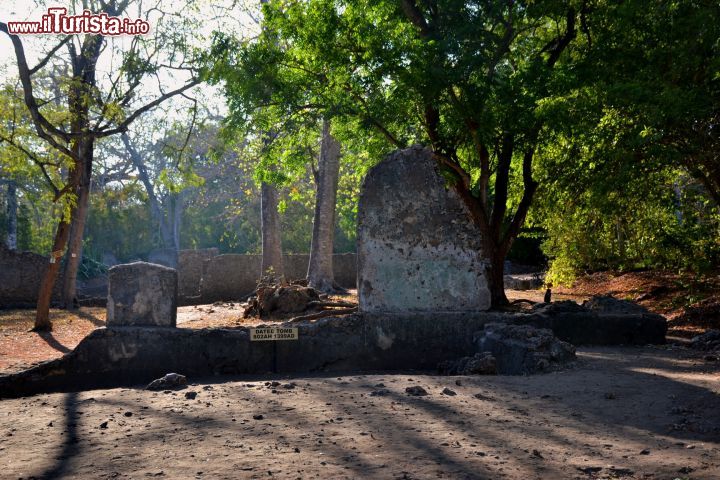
{"x":464,"y":77}
{"x":631,"y":179}
{"x":94,"y":109}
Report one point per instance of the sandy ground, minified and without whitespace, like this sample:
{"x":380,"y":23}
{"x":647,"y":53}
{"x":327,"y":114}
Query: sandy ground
{"x":633,"y":413}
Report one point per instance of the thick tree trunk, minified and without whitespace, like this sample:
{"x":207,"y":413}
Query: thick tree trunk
{"x":47,"y":284}
{"x":11,"y":240}
{"x":496,"y":279}
{"x":320,"y":269}
{"x":270,"y":228}
{"x":77,"y":229}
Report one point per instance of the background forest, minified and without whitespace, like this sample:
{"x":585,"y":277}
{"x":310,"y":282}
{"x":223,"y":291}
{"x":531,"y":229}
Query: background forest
{"x":624,"y":126}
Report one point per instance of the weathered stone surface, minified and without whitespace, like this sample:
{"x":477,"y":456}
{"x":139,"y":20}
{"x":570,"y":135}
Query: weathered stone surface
{"x":417,"y":247}
{"x":523,"y":349}
{"x":20,"y":277}
{"x":142,"y":293}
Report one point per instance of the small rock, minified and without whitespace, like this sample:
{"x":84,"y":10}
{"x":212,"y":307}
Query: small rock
{"x":379,"y":393}
{"x":482,"y":363}
{"x":710,"y":340}
{"x":171,"y":380}
{"x":416,"y":391}
{"x":128,"y":414}
{"x":645,"y":451}
{"x":610,"y":396}
{"x":258,"y":417}
{"x":288,"y":386}
{"x":621,"y":472}
{"x":190,"y":395}
{"x":523,"y":349}
{"x":447,"y":391}
{"x":536,"y":453}
{"x":104,"y":425}
{"x":589,"y":470}
{"x":481,"y":396}
{"x":686,"y":470}
{"x":609,"y":304}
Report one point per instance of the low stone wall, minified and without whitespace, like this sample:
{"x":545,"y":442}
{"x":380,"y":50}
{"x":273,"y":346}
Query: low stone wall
{"x":344,"y":269}
{"x":167,"y":257}
{"x":233,"y":276}
{"x":363,"y":342}
{"x":20,"y":277}
{"x":132,"y":355}
{"x":229,"y":277}
{"x":190,"y":270}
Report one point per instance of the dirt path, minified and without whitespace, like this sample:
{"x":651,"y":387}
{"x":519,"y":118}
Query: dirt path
{"x":644,"y":413}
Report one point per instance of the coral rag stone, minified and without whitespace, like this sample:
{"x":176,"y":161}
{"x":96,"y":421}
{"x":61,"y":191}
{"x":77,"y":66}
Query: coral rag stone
{"x":418,"y":250}
{"x":142,"y":294}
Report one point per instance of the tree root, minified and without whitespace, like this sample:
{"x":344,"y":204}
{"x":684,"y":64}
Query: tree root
{"x":331,"y":304}
{"x":323,"y":314}
{"x":522,"y":300}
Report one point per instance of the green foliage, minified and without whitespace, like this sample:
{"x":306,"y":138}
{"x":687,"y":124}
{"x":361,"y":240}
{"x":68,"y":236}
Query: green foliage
{"x":628,"y":177}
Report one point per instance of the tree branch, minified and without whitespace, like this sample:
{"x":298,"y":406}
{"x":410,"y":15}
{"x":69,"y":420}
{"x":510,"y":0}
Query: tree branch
{"x":123,"y":126}
{"x":47,"y":58}
{"x":413,"y":13}
{"x":43,"y":127}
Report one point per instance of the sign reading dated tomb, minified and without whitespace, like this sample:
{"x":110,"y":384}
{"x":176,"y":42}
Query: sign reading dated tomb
{"x":273,"y":333}
{"x":418,"y":249}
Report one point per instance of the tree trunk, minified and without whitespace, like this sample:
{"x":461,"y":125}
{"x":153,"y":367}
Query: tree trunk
{"x":178,"y":207}
{"x":320,"y":269}
{"x":42,"y":314}
{"x":496,"y":279}
{"x":164,"y":220}
{"x":77,"y":228}
{"x":47,"y":284}
{"x":11,"y":240}
{"x":270,"y":228}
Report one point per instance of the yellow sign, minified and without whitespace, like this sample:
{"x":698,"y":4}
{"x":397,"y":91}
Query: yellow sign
{"x":273,"y":333}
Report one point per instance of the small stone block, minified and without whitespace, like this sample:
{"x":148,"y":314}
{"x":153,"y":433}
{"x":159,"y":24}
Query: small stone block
{"x":142,"y":294}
